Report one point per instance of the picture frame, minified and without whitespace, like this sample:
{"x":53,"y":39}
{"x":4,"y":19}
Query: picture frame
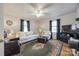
{"x":9,"y":22}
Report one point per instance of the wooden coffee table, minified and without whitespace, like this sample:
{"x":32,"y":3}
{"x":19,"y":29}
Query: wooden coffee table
{"x":42,"y":39}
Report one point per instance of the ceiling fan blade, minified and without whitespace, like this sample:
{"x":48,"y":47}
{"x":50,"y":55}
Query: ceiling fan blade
{"x":42,"y":6}
{"x":47,"y":6}
{"x":34,"y":5}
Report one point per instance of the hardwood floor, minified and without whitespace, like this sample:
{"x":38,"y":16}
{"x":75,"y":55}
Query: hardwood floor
{"x":66,"y":51}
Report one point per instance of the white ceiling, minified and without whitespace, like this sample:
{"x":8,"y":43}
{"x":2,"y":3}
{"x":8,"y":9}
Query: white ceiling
{"x":48,"y":9}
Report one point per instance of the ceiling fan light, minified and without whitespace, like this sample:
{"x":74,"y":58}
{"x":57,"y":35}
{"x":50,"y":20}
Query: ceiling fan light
{"x":38,"y":13}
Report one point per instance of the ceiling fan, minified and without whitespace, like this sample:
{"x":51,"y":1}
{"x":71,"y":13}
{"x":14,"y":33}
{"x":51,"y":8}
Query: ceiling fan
{"x":39,"y":8}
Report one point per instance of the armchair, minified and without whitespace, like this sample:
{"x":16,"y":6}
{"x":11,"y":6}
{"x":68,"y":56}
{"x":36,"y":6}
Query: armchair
{"x":11,"y":47}
{"x":74,"y":45}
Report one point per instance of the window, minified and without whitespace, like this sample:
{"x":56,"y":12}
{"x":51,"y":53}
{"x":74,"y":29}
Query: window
{"x":25,"y":25}
{"x":54,"y":26}
{"x":73,"y":26}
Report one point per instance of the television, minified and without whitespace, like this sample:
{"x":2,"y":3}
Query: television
{"x":66,"y":28}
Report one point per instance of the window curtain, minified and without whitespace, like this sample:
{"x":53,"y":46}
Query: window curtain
{"x":28,"y":25}
{"x":58,"y":28}
{"x":22,"y":25}
{"x":50,"y":28}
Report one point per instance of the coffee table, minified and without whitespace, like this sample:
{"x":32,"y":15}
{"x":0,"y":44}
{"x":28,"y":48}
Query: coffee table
{"x":42,"y":40}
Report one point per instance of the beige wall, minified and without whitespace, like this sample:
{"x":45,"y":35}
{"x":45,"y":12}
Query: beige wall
{"x":16,"y":23}
{"x":43,"y":24}
{"x":33,"y":26}
{"x":68,"y":19}
{"x":14,"y":13}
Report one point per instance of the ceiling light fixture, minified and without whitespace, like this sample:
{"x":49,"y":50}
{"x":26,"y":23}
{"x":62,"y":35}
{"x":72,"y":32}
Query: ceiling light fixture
{"x":38,"y":13}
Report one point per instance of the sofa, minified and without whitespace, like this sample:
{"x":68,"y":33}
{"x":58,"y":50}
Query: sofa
{"x":73,"y":43}
{"x":27,"y":36}
{"x":64,"y":37}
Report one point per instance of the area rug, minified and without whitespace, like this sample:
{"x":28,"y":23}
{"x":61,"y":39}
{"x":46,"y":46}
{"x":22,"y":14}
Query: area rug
{"x":40,"y":49}
{"x":38,"y":46}
{"x":56,"y":47}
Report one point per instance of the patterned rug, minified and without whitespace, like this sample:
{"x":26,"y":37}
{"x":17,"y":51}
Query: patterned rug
{"x":56,"y":47}
{"x":38,"y":46}
{"x":51,"y":48}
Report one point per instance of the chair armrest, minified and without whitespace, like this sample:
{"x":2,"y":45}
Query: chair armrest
{"x":74,"y":44}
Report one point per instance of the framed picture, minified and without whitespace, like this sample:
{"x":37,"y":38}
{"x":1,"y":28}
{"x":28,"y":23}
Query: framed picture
{"x":9,"y":22}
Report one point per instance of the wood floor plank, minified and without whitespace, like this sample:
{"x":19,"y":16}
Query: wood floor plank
{"x":66,"y":51}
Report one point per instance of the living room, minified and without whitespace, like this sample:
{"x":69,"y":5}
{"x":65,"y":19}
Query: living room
{"x":25,"y":23}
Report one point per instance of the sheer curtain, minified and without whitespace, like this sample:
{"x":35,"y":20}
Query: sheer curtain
{"x":25,"y":26}
{"x":54,"y":26}
{"x":54,"y":29}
